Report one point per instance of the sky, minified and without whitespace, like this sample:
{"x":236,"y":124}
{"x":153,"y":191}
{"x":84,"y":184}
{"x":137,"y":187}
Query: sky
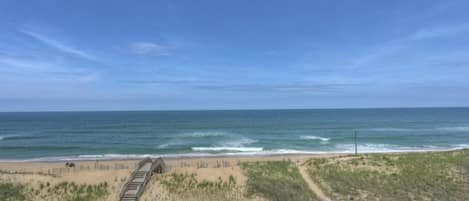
{"x":196,"y":55}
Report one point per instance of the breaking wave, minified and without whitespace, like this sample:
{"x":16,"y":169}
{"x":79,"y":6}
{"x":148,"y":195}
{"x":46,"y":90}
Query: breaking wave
{"x":240,"y":149}
{"x":204,"y":134}
{"x":449,"y":129}
{"x":312,"y":137}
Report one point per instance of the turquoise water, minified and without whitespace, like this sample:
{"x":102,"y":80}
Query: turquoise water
{"x":89,"y":135}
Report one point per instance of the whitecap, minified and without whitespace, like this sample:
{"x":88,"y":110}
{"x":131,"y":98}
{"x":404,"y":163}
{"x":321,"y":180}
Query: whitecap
{"x":312,"y":137}
{"x":240,"y":149}
{"x":387,"y":148}
{"x":200,"y":134}
{"x":456,"y":128}
{"x":294,"y":151}
{"x":171,"y":143}
{"x":394,"y":129}
{"x":239,"y":142}
{"x":450,"y":129}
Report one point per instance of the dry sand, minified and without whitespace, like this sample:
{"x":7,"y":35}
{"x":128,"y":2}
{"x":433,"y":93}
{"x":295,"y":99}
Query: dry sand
{"x":115,"y":172}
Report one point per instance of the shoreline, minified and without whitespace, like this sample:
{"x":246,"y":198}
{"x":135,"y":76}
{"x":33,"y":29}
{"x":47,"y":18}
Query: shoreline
{"x":110,"y":175}
{"x":135,"y":157}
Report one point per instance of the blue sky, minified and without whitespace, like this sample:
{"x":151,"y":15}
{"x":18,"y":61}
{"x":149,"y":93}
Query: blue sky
{"x":178,"y":55}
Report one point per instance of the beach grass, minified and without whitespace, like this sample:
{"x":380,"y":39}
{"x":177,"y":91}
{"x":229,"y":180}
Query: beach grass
{"x":183,"y":186}
{"x":406,"y":176}
{"x":66,"y":191}
{"x":13,"y":192}
{"x":276,"y":181}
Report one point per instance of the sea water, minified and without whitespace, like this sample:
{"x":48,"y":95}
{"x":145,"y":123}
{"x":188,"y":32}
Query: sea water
{"x":135,"y":134}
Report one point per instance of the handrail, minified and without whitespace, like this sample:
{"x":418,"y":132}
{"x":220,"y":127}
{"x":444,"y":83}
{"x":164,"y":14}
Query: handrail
{"x":132,"y":175}
{"x":154,"y":164}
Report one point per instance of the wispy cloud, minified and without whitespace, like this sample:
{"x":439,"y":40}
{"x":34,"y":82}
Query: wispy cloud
{"x":144,"y":48}
{"x":439,"y":32}
{"x":58,"y":45}
{"x":394,"y":46}
{"x":29,"y":69}
{"x":294,"y":87}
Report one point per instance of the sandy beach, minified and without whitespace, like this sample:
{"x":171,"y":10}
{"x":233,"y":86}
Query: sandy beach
{"x":185,"y":176}
{"x":116,"y":172}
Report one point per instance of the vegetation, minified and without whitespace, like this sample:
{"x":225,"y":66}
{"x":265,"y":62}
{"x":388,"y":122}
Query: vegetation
{"x":73,"y":192}
{"x":188,"y":187}
{"x":63,"y":191}
{"x":25,"y":173}
{"x":12,"y":192}
{"x":177,"y":183}
{"x":276,"y":181}
{"x":409,"y":176}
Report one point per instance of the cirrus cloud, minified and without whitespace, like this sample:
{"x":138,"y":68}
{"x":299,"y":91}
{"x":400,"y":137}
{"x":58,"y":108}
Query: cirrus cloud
{"x":144,"y":48}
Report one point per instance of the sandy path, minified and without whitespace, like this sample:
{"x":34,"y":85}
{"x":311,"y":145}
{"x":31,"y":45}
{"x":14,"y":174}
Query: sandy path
{"x":311,"y":184}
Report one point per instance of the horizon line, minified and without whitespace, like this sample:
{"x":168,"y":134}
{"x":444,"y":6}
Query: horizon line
{"x":246,"y":109}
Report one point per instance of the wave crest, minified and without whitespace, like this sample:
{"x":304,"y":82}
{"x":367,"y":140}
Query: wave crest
{"x":200,"y":134}
{"x":312,"y":137}
{"x":456,"y":128}
{"x":240,"y":149}
{"x":448,"y":129}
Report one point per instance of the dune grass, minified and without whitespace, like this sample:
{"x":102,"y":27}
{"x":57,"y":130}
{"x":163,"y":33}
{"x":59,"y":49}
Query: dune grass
{"x":276,"y":181}
{"x":407,"y":176}
{"x":13,"y":192}
{"x":188,"y":187}
{"x":45,"y":191}
{"x":74,"y":192}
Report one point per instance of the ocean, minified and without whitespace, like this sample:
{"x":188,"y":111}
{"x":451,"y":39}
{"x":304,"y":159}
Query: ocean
{"x":55,"y":136}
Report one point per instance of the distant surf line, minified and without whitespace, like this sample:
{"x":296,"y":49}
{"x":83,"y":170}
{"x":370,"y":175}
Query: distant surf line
{"x":380,"y":148}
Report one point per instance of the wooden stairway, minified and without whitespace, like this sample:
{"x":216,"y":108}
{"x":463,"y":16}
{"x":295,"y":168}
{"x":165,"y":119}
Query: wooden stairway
{"x":140,"y":177}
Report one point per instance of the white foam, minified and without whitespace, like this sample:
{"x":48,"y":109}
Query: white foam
{"x":294,"y":151}
{"x":252,"y":151}
{"x":227,"y":140}
{"x":456,"y":128}
{"x":394,"y":129}
{"x":237,"y":142}
{"x":450,"y":129}
{"x":202,"y":134}
{"x":240,"y":149}
{"x":169,"y":144}
{"x":312,"y":137}
{"x":371,"y":148}
{"x":388,"y":148}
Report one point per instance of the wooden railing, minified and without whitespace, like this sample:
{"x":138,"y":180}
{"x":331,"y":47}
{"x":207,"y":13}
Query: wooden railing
{"x":132,"y":177}
{"x":154,"y":165}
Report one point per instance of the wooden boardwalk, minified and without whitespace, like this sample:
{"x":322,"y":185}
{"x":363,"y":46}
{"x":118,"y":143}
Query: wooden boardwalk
{"x":135,"y":185}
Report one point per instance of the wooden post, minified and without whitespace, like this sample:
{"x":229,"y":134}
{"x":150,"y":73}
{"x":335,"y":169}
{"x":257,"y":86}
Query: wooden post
{"x":355,"y":140}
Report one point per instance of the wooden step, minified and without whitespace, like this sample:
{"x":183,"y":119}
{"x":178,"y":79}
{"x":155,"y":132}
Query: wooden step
{"x":129,"y":199}
{"x":130,"y":196}
{"x":137,"y":180}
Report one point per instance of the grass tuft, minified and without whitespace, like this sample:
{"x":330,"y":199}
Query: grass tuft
{"x":13,"y":192}
{"x":407,"y":176}
{"x":276,"y":181}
